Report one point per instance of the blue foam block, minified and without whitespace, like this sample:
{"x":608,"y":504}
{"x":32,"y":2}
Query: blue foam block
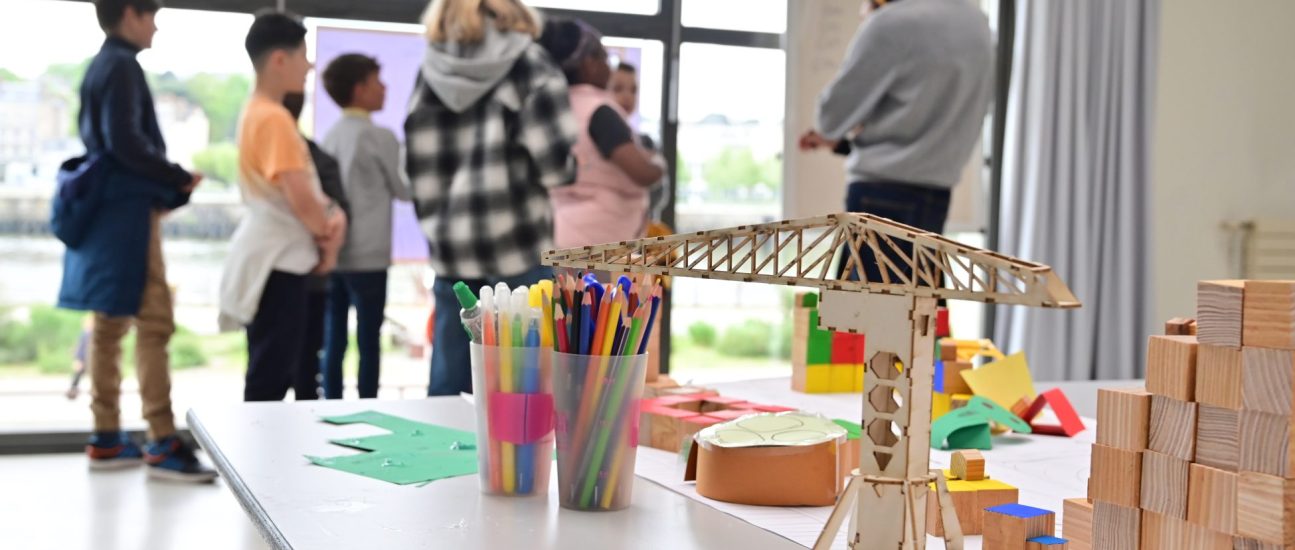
{"x":1048,"y":540}
{"x":937,"y":383}
{"x":1018,"y":510}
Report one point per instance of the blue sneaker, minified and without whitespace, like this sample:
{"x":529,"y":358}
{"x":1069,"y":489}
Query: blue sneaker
{"x":170,"y":458}
{"x":113,"y":451}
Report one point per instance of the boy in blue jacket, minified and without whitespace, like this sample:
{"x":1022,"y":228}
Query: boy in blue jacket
{"x":117,"y":270}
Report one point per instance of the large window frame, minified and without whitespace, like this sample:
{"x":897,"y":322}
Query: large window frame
{"x":665,"y":26}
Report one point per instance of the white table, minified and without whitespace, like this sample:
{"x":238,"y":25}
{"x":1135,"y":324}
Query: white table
{"x":259,"y":448}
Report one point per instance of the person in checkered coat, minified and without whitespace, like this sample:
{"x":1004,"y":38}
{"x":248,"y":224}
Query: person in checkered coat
{"x":489,"y":133}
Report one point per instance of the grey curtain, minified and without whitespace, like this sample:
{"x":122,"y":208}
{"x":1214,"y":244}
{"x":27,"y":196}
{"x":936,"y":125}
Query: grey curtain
{"x":1076,"y":186}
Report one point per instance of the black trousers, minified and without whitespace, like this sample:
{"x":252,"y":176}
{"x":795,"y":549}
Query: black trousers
{"x":907,"y":203}
{"x":275,"y":338}
{"x":305,"y":384}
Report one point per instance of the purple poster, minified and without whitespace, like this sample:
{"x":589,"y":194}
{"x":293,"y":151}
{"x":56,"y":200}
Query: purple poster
{"x":400,"y":55}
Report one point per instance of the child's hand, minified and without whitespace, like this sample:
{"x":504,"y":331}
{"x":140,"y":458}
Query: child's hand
{"x":811,"y":140}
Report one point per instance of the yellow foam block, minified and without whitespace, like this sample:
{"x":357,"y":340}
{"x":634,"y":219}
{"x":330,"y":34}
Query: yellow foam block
{"x":1004,"y":382}
{"x":842,"y":377}
{"x":818,"y":378}
{"x":860,"y":371}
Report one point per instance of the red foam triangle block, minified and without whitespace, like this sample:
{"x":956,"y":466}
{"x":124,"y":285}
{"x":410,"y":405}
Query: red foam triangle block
{"x":1070,"y":423}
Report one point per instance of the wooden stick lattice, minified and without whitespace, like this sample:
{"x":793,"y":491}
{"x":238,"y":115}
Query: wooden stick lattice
{"x":801,"y":253}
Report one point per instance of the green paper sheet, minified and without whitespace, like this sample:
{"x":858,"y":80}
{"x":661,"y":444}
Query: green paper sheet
{"x":414,"y":452}
{"x":852,"y":429}
{"x":976,"y":436}
{"x":978,"y":412}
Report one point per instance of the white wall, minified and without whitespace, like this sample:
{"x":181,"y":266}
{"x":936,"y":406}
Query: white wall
{"x":1224,"y":142}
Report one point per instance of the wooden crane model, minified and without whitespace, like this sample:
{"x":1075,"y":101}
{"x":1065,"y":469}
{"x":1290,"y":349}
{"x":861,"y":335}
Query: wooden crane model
{"x":896,"y":312}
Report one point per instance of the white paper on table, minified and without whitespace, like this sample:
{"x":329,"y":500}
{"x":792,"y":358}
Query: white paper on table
{"x":1045,"y":470}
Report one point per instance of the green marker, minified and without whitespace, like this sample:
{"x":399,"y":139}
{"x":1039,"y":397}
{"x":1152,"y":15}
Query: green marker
{"x":471,"y":312}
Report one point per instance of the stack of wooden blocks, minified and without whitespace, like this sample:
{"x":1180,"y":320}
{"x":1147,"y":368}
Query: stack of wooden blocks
{"x":949,"y":390}
{"x":1020,"y":527}
{"x":665,"y":422}
{"x":823,"y":361}
{"x":972,"y":492}
{"x":1202,"y":458}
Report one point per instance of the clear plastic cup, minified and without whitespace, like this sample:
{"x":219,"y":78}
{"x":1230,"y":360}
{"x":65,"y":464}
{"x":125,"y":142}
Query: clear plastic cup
{"x":596,"y":399}
{"x":514,"y":405}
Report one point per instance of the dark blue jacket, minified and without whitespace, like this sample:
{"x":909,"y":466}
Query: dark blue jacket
{"x":105,"y":270}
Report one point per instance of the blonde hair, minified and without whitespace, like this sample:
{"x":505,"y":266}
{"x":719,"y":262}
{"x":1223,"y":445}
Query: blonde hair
{"x":463,"y":21}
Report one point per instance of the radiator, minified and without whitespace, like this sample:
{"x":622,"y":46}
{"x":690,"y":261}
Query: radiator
{"x":1267,"y":249}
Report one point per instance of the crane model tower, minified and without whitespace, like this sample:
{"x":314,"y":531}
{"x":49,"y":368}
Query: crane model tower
{"x":896,"y":312}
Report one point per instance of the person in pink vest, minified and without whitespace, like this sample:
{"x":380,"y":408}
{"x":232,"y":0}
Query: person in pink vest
{"x":609,"y":199}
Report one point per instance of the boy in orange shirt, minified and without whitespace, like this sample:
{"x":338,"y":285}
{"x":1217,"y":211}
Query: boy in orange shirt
{"x":291,"y":230}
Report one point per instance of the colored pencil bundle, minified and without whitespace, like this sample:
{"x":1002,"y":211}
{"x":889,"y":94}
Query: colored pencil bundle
{"x":601,"y":334}
{"x":511,"y":364}
{"x":593,"y":339}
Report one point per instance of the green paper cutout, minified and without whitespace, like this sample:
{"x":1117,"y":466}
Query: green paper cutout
{"x":993,"y":411}
{"x":974,"y":419}
{"x":971,"y":437}
{"x":852,"y":430}
{"x":414,"y":452}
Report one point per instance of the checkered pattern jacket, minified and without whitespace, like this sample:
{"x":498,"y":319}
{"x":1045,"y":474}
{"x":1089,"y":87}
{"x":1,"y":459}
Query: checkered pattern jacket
{"x":480,"y":178}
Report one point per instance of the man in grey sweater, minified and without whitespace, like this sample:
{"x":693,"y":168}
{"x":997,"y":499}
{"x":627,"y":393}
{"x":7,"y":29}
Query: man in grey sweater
{"x":907,"y":105}
{"x":369,"y":156}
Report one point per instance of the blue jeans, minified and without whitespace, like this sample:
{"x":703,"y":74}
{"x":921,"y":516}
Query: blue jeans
{"x":917,"y":205}
{"x":367,"y":291}
{"x":451,"y":360}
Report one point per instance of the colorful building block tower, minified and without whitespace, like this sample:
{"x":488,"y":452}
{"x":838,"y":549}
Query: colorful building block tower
{"x":823,"y":361}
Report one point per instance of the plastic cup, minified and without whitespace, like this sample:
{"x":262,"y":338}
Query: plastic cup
{"x":514,"y":405}
{"x":596,"y":399}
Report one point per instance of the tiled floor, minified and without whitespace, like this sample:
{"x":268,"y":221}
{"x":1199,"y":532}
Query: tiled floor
{"x":55,"y":502}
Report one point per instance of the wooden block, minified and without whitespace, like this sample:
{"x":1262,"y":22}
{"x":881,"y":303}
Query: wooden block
{"x":818,"y":379}
{"x":1212,"y":498}
{"x":1077,"y":523}
{"x":970,"y":498}
{"x":1217,"y":437}
{"x":1265,"y":442}
{"x":968,"y":465}
{"x":666,"y":431}
{"x":1116,"y":527}
{"x":1173,"y":427}
{"x":1116,"y":476}
{"x":1268,"y":380}
{"x":1123,"y":415}
{"x":964,"y":503}
{"x":1009,"y":526}
{"x":948,"y":350}
{"x":719,"y":403}
{"x":1266,"y":508}
{"x":1218,"y":376}
{"x":1047,"y":543}
{"x":1164,"y":485}
{"x":842,"y":377}
{"x":1239,"y":543}
{"x":689,"y":426}
{"x":1268,"y":317}
{"x":1161,"y":531}
{"x":953,"y":381}
{"x":1219,"y":309}
{"x":1171,"y":366}
{"x":1180,"y":326}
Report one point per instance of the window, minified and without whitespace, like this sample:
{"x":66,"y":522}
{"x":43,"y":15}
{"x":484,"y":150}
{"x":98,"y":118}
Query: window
{"x":736,"y":15}
{"x":639,"y":7}
{"x":729,"y":173}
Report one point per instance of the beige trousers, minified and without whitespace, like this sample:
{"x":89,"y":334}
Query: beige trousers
{"x":154,"y":325}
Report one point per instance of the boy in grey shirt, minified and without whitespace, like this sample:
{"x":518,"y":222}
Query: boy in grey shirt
{"x":370,"y":163}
